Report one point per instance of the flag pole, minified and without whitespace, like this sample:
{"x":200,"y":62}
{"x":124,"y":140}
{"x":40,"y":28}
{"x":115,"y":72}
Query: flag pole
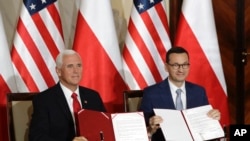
{"x":175,"y":9}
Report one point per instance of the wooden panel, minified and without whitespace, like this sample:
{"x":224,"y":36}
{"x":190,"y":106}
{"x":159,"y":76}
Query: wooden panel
{"x":225,"y":15}
{"x":225,"y":18}
{"x":247,"y":67}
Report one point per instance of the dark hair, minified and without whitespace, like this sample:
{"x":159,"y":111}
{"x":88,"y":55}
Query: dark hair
{"x":175,"y":49}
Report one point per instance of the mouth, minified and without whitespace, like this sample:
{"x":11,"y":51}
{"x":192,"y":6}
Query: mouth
{"x":180,"y":75}
{"x":76,"y":77}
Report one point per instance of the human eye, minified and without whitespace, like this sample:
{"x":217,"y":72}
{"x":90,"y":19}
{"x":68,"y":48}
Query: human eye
{"x":69,"y":66}
{"x":185,"y":65}
{"x":176,"y":66}
{"x":79,"y":65}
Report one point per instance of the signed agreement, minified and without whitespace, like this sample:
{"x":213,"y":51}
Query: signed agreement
{"x":190,"y":124}
{"x":129,"y":126}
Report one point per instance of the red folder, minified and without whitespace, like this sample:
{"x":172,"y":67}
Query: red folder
{"x":95,"y":125}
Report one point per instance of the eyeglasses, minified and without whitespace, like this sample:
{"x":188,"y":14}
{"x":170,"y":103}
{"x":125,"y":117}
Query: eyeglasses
{"x":177,"y":66}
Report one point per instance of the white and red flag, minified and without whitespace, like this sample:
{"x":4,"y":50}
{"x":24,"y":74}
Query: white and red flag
{"x":37,"y":42}
{"x":146,"y":44}
{"x":96,"y":41}
{"x":7,"y":81}
{"x":197,"y":33}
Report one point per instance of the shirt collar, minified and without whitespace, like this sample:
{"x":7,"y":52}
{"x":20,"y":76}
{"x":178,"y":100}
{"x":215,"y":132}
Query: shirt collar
{"x":174,"y":88}
{"x":67,"y":92}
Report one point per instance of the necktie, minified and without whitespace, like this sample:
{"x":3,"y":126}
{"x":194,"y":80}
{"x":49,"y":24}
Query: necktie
{"x":76,"y":109}
{"x":179,"y":105}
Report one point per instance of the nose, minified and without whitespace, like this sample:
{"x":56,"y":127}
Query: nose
{"x":180,"y":69}
{"x":75,"y":69}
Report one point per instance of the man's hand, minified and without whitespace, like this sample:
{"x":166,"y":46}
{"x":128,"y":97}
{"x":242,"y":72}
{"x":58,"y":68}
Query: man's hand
{"x":154,"y":124}
{"x":81,"y":138}
{"x":214,"y":113}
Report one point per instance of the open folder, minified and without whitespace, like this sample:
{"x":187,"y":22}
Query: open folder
{"x":189,"y":125}
{"x":100,"y":126}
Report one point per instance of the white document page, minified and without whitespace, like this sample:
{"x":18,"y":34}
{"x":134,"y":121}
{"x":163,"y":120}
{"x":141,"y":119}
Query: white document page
{"x":193,"y":123}
{"x":202,"y":126}
{"x":129,"y":126}
{"x":173,"y":126}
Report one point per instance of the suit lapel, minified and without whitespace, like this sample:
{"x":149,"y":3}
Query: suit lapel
{"x":165,"y":95}
{"x":84,"y":101}
{"x":62,"y":102}
{"x":190,"y":97}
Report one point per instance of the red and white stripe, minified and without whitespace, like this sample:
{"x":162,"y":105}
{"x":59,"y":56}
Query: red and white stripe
{"x":146,"y":44}
{"x":96,"y":41}
{"x":197,"y":33}
{"x":38,"y":40}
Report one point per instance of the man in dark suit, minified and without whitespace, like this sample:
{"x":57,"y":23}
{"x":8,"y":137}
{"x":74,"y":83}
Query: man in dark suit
{"x":163,"y":94}
{"x":53,"y":115}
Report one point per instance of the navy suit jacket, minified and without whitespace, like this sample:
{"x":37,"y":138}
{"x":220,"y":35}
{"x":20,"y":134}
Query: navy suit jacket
{"x":159,"y":96}
{"x":52,"y":119}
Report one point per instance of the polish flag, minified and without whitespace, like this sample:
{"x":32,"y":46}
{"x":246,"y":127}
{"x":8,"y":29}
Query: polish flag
{"x":197,"y":33}
{"x":96,"y":42}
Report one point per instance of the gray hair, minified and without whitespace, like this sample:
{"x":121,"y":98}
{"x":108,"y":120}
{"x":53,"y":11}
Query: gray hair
{"x":59,"y":58}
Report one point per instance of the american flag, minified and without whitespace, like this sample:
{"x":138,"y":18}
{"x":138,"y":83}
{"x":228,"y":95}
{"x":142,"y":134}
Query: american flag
{"x":146,"y":44}
{"x":38,"y":40}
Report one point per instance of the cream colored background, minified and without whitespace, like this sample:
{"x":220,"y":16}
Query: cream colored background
{"x":10,"y":12}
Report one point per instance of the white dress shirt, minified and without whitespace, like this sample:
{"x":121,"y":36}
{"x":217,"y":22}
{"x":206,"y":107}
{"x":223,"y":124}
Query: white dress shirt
{"x":173,"y":89}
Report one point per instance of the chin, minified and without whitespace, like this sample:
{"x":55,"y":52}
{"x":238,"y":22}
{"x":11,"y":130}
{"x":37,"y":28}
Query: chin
{"x":180,"y":80}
